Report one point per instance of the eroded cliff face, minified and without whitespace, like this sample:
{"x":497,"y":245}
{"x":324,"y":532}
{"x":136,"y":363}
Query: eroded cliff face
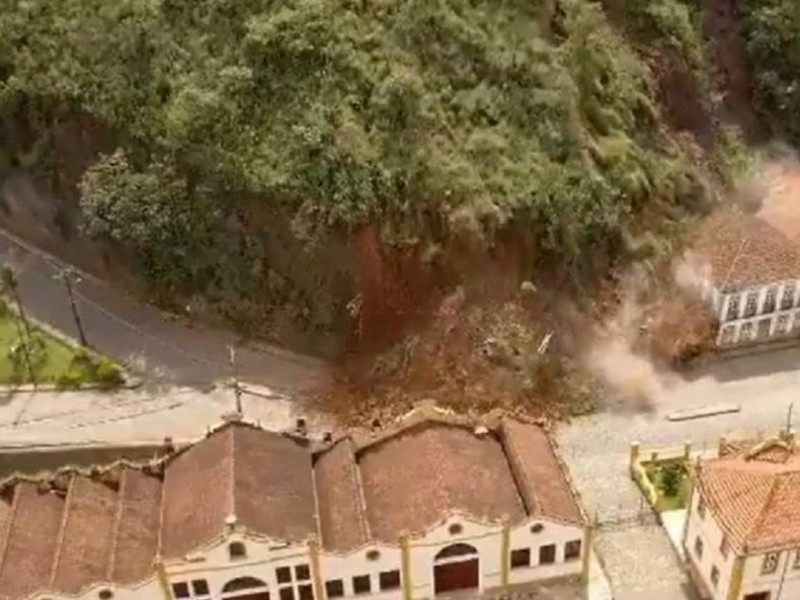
{"x":284,"y":268}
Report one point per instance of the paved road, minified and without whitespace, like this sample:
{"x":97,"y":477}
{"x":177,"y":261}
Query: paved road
{"x":137,"y":334}
{"x":639,"y":559}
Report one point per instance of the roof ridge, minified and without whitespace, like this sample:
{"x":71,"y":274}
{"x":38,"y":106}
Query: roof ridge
{"x":62,"y":531}
{"x":517,"y":473}
{"x":763,"y":511}
{"x":112,"y":559}
{"x":232,"y":512}
{"x":355,"y":473}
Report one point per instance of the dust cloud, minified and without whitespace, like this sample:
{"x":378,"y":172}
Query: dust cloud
{"x":632,"y":380}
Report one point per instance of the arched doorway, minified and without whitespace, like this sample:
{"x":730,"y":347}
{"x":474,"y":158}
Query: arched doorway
{"x":456,"y":567}
{"x":245,"y":588}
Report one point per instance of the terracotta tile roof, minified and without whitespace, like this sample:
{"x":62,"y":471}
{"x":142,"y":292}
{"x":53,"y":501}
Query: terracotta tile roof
{"x":342,"y":515}
{"x":86,"y":536}
{"x":742,"y":250}
{"x":755,"y":495}
{"x":542,"y":479}
{"x":414,"y":479}
{"x":273,"y":485}
{"x":197,"y":494}
{"x":136,"y":536}
{"x":66,"y":531}
{"x":27,"y":561}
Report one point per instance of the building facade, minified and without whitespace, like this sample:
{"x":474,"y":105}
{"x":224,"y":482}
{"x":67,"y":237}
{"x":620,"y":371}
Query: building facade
{"x":429,"y":506}
{"x":748,"y":273}
{"x":742,"y":536}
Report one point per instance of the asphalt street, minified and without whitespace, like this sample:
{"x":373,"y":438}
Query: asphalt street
{"x":137,"y":334}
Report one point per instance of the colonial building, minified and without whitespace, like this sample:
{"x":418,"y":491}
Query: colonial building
{"x":749,"y":274}
{"x":742,"y":536}
{"x":435,"y":503}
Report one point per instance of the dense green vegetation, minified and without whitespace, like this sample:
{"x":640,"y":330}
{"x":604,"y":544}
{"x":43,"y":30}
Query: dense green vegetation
{"x":771,"y":30}
{"x":474,"y":113}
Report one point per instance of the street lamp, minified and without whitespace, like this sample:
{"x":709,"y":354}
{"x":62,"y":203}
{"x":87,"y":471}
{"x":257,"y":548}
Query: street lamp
{"x":67,"y":275}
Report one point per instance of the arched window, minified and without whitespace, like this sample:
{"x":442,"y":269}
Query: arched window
{"x":243,"y":583}
{"x":456,"y":550}
{"x":236,"y":550}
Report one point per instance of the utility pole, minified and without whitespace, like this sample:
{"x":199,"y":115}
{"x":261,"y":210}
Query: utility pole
{"x":237,"y":391}
{"x":67,"y":275}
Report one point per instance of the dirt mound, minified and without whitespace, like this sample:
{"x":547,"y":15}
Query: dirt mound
{"x":480,"y":349}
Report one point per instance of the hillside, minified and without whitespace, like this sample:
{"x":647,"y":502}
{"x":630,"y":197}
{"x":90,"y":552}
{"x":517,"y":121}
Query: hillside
{"x":318,"y":170}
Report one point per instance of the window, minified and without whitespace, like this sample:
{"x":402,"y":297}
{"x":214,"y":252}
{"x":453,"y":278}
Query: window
{"x":547,"y":554}
{"x":728,"y":333}
{"x":373,"y":555}
{"x":782,"y":324}
{"x":537,"y":528}
{"x":334,"y":588}
{"x":520,"y":558}
{"x":787,"y":299}
{"x":236,"y":550}
{"x":302,"y":573}
{"x":796,"y":324}
{"x":746,"y":331}
{"x":455,"y":529}
{"x":283,"y":574}
{"x":770,"y":564}
{"x":389,"y":580}
{"x":763,"y":328}
{"x":796,"y":563}
{"x":715,"y":576}
{"x":361,"y":584}
{"x":698,"y":547}
{"x":305,"y":591}
{"x":105,"y":594}
{"x":286,"y":593}
{"x":723,"y":546}
{"x":200,"y":587}
{"x":733,"y":307}
{"x":180,"y":590}
{"x":751,"y":306}
{"x":769,"y":301}
{"x":701,"y":507}
{"x":572,"y":550}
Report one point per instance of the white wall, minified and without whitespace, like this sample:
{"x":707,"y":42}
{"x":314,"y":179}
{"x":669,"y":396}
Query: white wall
{"x":783,"y":584}
{"x":149,"y":589}
{"x":552,"y":533}
{"x":215,"y":565}
{"x":711,"y":535}
{"x":347,"y":566}
{"x":720,"y":303}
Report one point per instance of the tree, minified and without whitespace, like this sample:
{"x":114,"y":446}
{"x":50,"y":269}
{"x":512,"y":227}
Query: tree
{"x":10,"y":288}
{"x":671,"y":476}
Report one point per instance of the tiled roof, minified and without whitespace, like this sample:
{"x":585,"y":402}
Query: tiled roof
{"x":62,"y":532}
{"x":754,"y":493}
{"x":86,"y":536}
{"x":261,"y":478}
{"x":741,"y":250}
{"x":542,"y":479}
{"x":343,"y":521}
{"x":411,"y":481}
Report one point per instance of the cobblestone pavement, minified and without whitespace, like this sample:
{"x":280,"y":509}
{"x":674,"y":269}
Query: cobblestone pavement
{"x":596,"y":449}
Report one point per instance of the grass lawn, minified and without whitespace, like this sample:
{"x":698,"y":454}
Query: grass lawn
{"x":655,"y":473}
{"x":58,"y":364}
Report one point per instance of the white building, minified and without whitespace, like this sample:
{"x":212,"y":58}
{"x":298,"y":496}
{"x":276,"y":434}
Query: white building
{"x":431,"y":505}
{"x":749,"y":273}
{"x":742,"y":536}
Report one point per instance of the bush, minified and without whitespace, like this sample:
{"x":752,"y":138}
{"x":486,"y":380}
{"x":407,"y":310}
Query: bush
{"x":24,"y":349}
{"x":71,"y":380}
{"x":108,"y":374}
{"x":671,"y":476}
